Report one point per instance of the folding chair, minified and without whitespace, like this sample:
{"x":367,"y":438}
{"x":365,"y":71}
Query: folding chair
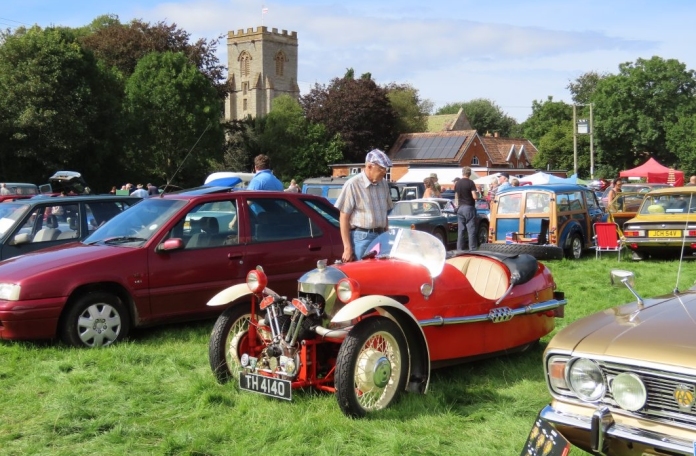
{"x":608,"y":238}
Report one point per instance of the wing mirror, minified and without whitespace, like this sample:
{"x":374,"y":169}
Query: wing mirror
{"x":23,"y":238}
{"x":620,"y":277}
{"x":170,"y":244}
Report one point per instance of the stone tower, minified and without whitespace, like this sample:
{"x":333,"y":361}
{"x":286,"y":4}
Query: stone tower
{"x":261,"y":66}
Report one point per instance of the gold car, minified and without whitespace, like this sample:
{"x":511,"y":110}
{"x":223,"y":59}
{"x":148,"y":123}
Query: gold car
{"x":665,"y":223}
{"x":623,"y":380}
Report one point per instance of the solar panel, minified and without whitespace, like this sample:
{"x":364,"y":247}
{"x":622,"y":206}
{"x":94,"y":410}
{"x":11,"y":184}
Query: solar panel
{"x":430,"y":147}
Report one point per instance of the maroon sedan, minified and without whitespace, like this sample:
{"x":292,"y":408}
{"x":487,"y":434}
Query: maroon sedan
{"x":161,"y":261}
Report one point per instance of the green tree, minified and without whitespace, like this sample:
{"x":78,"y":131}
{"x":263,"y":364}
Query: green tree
{"x":681,"y":140}
{"x":582,"y":89}
{"x":356,"y":109}
{"x":298,"y":148}
{"x":171,"y":108}
{"x":59,"y":109}
{"x":484,"y":116}
{"x":634,"y":109}
{"x":412,"y":112}
{"x":123,"y":45}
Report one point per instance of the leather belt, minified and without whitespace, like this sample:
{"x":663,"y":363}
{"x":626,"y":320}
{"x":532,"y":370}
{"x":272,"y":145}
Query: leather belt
{"x":369,"y":230}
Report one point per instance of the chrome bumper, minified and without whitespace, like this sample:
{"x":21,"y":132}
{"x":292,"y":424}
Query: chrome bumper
{"x":601,"y":428}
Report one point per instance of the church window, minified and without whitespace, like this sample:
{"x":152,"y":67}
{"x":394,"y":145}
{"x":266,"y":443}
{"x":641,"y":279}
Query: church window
{"x":244,"y":104}
{"x":244,"y":63}
{"x":280,"y":60}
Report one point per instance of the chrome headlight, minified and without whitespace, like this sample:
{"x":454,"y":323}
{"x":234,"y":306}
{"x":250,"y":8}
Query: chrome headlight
{"x":586,"y":380}
{"x":629,"y":391}
{"x":10,"y":291}
{"x":347,"y":290}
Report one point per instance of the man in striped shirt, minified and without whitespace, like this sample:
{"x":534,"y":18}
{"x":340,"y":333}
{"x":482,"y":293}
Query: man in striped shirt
{"x":364,"y":203}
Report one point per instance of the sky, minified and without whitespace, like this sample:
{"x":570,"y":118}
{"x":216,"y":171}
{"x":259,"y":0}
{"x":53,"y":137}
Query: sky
{"x":508,"y":51}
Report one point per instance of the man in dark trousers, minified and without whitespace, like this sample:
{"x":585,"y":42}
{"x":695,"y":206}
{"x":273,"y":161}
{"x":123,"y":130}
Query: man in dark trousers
{"x":465,"y":191}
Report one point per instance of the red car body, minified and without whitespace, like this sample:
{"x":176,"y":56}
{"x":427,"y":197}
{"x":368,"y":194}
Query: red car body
{"x":142,"y":267}
{"x":370,"y":329}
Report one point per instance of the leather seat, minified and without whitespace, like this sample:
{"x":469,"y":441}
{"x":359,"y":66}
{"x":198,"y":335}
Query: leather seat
{"x":49,"y":232}
{"x":488,"y":277}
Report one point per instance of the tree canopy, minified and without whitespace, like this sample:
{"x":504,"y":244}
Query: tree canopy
{"x":484,"y":116}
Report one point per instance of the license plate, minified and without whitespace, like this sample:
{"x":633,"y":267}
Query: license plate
{"x":664,"y":233}
{"x":545,"y":440}
{"x":274,"y":387}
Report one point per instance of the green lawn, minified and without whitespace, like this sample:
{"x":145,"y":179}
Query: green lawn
{"x":155,"y":394}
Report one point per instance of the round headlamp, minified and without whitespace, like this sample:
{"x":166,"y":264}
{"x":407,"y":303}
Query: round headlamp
{"x":256,"y":280}
{"x":586,"y":380}
{"x":347,"y":290}
{"x":629,"y":391}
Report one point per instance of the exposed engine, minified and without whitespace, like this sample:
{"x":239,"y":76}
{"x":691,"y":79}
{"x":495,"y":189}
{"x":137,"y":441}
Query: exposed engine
{"x":290,"y":323}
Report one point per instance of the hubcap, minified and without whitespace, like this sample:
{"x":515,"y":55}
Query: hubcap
{"x":99,"y":325}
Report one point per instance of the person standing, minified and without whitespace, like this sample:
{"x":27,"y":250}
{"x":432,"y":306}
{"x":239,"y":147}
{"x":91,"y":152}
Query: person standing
{"x":466,"y":194}
{"x":4,"y":190}
{"x":264,"y":178}
{"x":437,"y":190}
{"x":140,"y":192}
{"x":503,"y":181}
{"x":364,"y":202}
{"x":614,"y":203}
{"x":429,"y":191}
{"x":293,"y":187}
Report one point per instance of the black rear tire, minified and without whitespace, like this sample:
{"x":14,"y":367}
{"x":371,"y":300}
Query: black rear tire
{"x":228,"y":341}
{"x":540,"y":252}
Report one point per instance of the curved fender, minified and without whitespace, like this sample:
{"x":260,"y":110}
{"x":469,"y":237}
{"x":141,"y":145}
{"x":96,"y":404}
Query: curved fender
{"x":419,"y":378}
{"x":233,"y":293}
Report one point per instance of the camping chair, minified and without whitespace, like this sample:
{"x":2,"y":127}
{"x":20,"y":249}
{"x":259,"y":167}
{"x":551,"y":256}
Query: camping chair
{"x":607,"y":238}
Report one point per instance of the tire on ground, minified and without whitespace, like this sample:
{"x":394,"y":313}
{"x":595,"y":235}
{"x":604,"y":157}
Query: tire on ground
{"x":540,"y":252}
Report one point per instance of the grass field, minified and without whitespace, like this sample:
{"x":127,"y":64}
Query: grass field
{"x":155,"y":393}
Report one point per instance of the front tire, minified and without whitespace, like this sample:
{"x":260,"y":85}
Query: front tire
{"x":482,"y":234}
{"x":441,"y":236}
{"x":95,"y":320}
{"x":229,"y":340}
{"x":371,"y":367}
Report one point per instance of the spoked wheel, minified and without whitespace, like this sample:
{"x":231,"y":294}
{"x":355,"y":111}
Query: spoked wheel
{"x":229,"y":340}
{"x":95,"y":320}
{"x":482,"y":234}
{"x":371,"y":367}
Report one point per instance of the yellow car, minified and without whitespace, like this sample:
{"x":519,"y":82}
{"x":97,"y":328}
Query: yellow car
{"x":664,"y":225}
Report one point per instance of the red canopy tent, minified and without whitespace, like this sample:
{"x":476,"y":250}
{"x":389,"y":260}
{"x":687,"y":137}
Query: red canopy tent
{"x":656,"y":173}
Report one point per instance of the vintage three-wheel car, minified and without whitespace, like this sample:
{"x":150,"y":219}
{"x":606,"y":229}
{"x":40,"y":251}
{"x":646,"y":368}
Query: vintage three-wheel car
{"x":370,"y":329}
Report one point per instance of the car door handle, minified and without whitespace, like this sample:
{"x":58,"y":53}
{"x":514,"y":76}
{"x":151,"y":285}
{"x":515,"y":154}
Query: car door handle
{"x":234,"y":256}
{"x":314,"y":248}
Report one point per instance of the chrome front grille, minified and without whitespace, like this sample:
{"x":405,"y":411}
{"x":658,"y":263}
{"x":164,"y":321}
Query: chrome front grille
{"x":660,"y":386}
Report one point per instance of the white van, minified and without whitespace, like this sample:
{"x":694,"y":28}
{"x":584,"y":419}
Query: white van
{"x":245,"y":177}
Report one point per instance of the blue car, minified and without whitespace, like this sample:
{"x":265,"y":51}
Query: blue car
{"x":547,"y":221}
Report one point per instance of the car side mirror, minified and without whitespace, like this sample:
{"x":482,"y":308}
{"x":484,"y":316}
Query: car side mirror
{"x":170,"y":244}
{"x":23,"y":238}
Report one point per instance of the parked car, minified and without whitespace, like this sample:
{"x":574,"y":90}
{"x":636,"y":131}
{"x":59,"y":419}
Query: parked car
{"x":622,"y":380}
{"x":34,"y":224}
{"x":19,"y":191}
{"x":330,"y":187}
{"x":634,"y":189}
{"x":547,"y":221}
{"x":162,"y":260}
{"x":664,"y":224}
{"x":369,"y":338}
{"x":410,"y":190}
{"x":67,"y":182}
{"x":436,"y":216}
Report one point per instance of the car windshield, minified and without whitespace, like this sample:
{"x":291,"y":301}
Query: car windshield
{"x":9,"y":214}
{"x":409,"y":245}
{"x":416,"y":208}
{"x":669,"y":204}
{"x":138,"y":224}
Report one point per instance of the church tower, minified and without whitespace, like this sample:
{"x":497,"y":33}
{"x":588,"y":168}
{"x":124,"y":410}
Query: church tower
{"x":261,"y":66}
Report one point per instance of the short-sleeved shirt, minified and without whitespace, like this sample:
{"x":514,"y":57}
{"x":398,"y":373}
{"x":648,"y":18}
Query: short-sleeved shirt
{"x":463,"y":189}
{"x":365,"y":202}
{"x":265,"y":180}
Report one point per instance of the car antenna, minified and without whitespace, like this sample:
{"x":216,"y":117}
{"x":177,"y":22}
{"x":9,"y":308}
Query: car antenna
{"x":184,"y":160}
{"x":681,"y":254}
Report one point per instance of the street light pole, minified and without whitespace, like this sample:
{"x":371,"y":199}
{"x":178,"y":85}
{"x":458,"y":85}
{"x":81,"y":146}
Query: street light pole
{"x":591,"y":144}
{"x":575,"y":142}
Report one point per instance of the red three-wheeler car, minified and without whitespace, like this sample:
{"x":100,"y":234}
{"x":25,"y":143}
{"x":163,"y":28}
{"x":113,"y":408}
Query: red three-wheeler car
{"x":370,"y":329}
